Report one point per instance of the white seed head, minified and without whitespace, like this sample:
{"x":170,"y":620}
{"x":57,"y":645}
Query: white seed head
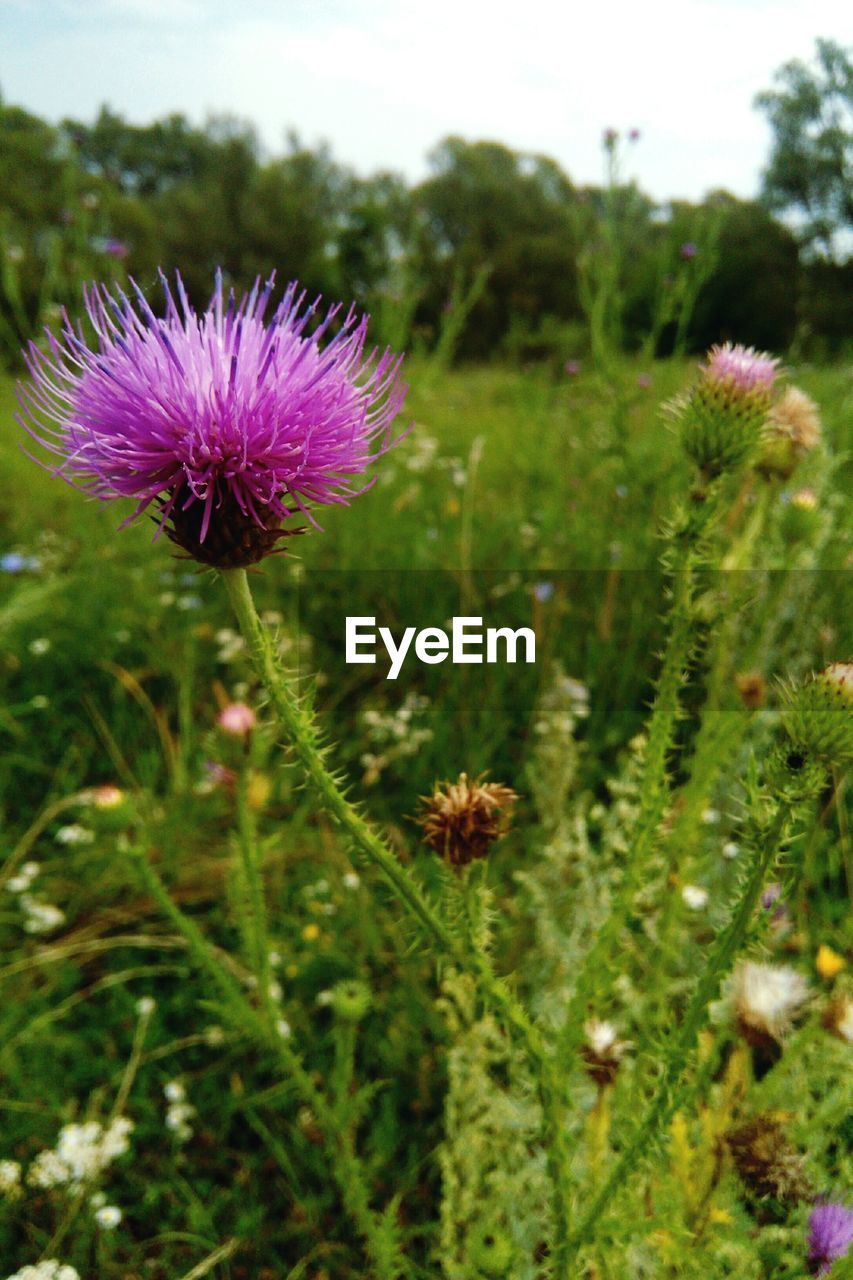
{"x":766,"y":997}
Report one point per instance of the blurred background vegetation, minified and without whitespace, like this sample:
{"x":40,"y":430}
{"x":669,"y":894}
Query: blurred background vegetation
{"x":496,"y":255}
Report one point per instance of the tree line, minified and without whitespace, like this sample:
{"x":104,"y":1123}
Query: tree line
{"x":497,"y":254}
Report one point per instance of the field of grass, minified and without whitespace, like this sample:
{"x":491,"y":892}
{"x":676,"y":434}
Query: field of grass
{"x":528,"y":501}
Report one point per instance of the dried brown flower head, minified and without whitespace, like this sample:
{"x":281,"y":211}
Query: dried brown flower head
{"x":752,"y":688}
{"x":767,"y":1162}
{"x":838,"y":1017}
{"x":793,"y":430}
{"x":462,"y":819}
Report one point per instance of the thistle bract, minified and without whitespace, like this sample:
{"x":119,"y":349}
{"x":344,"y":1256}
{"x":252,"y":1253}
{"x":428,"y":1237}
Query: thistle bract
{"x":722,"y":418}
{"x":220,"y":424}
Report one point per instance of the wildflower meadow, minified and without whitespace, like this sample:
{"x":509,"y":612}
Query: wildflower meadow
{"x":424,"y":790}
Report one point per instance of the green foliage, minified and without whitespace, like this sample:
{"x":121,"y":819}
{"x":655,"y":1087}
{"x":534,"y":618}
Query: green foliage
{"x":415,"y":1144}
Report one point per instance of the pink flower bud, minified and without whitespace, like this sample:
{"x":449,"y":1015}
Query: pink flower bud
{"x":237,"y":719}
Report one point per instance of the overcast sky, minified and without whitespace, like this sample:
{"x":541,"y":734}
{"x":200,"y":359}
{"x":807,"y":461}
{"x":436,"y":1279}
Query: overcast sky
{"x":383,"y":80}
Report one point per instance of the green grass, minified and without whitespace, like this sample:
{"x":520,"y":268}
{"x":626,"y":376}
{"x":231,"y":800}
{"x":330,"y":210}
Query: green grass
{"x":112,"y":667}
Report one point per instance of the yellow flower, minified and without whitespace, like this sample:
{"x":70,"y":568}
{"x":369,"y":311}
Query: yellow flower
{"x":258,"y":791}
{"x":720,"y":1217}
{"x":828,"y":962}
{"x":311,"y":932}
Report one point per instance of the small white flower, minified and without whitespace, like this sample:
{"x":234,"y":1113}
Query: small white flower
{"x":38,"y":648}
{"x":214,"y":1036}
{"x":40,"y":917}
{"x":178,"y":1117}
{"x":324,"y":998}
{"x":73,"y":834}
{"x":275,"y":991}
{"x":10,"y":1179}
{"x":283,"y":1028}
{"x":275,"y":959}
{"x":710,"y":816}
{"x":145,"y":1006}
{"x":174,"y":1091}
{"x":695,"y":896}
{"x":108,"y":1217}
{"x":50,"y":1269}
{"x":351,"y":880}
{"x":730,"y":850}
{"x":98,"y":1199}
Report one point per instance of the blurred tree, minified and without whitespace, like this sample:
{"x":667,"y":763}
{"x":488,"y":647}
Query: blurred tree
{"x":488,"y":206}
{"x":752,"y":295}
{"x":141,"y":160}
{"x":811,"y":164}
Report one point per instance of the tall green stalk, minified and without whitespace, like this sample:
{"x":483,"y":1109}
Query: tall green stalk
{"x":305,"y":743}
{"x":668,"y":1097}
{"x":685,"y":555}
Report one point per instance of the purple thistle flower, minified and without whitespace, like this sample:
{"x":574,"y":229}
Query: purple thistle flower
{"x":830,"y":1236}
{"x":226,"y":424}
{"x":688,"y":250}
{"x":572,"y":368}
{"x":743,"y":368}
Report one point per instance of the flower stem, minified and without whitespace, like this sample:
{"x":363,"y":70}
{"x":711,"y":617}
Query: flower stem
{"x":667,"y":1098}
{"x":305,"y":742}
{"x":257,"y":928}
{"x":686,"y":550}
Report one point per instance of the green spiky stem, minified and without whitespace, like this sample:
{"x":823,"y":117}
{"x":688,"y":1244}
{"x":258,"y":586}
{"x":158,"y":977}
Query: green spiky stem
{"x":667,"y":1098}
{"x":305,"y":743}
{"x":685,"y":555}
{"x":346,"y":1166}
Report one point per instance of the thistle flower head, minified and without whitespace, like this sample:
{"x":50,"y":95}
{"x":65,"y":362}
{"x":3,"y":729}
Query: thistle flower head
{"x":740,"y":368}
{"x":830,"y":1236}
{"x":793,"y":430}
{"x":461,"y":820}
{"x":722,"y":418}
{"x":767,"y":1162}
{"x":223,"y":424}
{"x":602,"y":1051}
{"x":766,"y":998}
{"x":819,"y":717}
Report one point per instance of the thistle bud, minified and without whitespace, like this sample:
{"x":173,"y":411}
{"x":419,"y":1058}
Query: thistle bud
{"x":491,"y":1250}
{"x":722,"y":419}
{"x":793,"y":430}
{"x":819,"y":719}
{"x":768,"y":1165}
{"x":461,"y":820}
{"x":351,"y":1000}
{"x":800,"y":515}
{"x":752,"y":688}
